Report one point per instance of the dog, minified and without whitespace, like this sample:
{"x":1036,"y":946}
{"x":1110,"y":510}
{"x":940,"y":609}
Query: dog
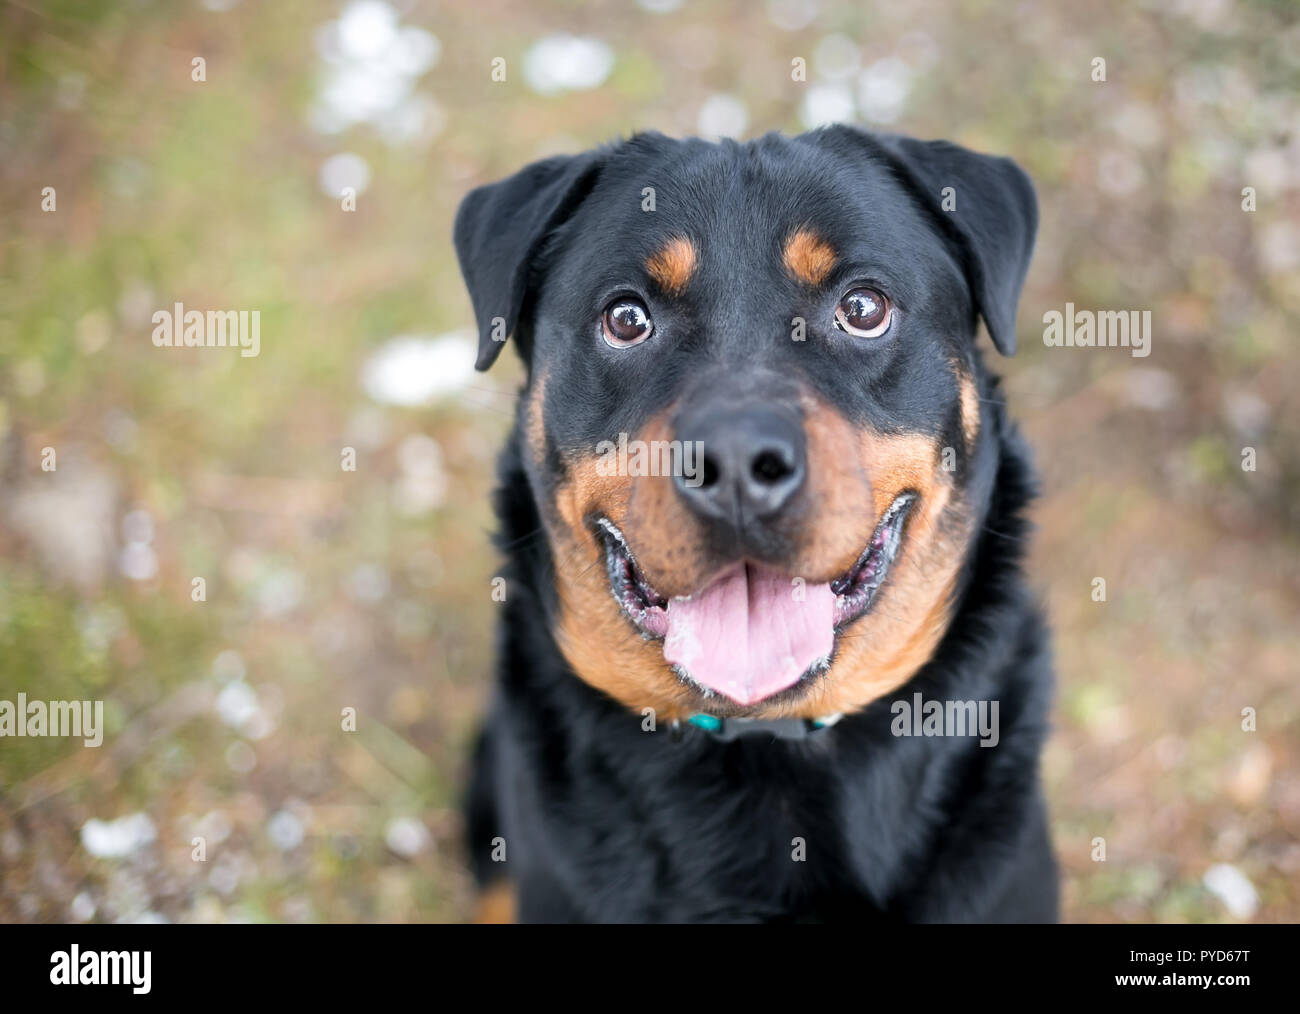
{"x":727,"y":687}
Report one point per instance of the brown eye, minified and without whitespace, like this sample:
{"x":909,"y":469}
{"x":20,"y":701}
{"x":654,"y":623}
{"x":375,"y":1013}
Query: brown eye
{"x":626,"y":322}
{"x":864,"y":313}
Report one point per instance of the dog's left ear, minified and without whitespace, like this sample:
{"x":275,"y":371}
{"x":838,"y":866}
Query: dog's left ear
{"x":500,"y":230}
{"x":993,"y":219}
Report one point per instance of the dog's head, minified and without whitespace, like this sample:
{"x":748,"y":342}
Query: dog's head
{"x":753,"y":414}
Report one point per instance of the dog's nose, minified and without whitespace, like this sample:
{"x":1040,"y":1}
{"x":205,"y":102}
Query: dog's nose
{"x":751,"y":462}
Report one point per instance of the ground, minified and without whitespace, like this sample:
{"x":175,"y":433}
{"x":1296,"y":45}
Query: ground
{"x":232,"y":783}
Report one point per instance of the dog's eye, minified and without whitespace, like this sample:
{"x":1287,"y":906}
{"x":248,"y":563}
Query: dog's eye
{"x":864,"y":312}
{"x":626,"y":322}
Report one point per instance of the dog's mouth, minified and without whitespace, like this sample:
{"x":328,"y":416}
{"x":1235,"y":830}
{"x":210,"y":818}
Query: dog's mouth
{"x":753,"y":631}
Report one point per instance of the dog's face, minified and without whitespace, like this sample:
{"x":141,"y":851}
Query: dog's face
{"x":753,"y":415}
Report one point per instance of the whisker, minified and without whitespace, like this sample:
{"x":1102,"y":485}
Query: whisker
{"x":1004,"y":535}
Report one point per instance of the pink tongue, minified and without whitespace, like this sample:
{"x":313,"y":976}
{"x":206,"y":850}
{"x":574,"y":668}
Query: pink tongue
{"x":751,"y":633}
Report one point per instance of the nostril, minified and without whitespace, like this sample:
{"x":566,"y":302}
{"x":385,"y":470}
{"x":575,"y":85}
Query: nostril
{"x":710,"y":472}
{"x":769,"y":468}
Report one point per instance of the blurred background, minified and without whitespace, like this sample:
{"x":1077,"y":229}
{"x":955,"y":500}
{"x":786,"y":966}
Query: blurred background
{"x":221,"y":185}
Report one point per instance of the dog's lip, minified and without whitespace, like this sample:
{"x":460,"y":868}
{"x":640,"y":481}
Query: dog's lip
{"x":645,"y":607}
{"x":855,"y":590}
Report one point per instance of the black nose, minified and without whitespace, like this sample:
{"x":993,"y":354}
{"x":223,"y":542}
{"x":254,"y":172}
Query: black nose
{"x":751,"y":462}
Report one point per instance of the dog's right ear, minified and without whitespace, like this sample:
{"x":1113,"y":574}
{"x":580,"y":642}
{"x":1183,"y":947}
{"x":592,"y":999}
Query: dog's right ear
{"x":500,"y":229}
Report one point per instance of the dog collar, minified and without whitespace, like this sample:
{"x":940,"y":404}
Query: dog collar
{"x":727,"y":729}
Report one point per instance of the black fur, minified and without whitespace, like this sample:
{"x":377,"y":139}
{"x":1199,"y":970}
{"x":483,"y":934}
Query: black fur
{"x":602,"y":821}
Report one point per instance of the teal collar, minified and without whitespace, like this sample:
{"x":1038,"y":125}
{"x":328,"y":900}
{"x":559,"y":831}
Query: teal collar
{"x":727,"y":729}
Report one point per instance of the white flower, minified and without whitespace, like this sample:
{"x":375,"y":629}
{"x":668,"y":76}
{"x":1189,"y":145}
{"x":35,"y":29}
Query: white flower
{"x":560,"y":63}
{"x":113,"y":839}
{"x":406,"y":836}
{"x":1230,"y":886}
{"x":417,"y":369}
{"x":722,"y":116}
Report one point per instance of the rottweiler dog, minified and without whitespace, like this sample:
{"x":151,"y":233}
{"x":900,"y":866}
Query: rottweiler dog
{"x":766,"y":652}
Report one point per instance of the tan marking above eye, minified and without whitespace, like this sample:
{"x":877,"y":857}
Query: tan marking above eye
{"x":808,"y":257}
{"x":672,"y":266}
